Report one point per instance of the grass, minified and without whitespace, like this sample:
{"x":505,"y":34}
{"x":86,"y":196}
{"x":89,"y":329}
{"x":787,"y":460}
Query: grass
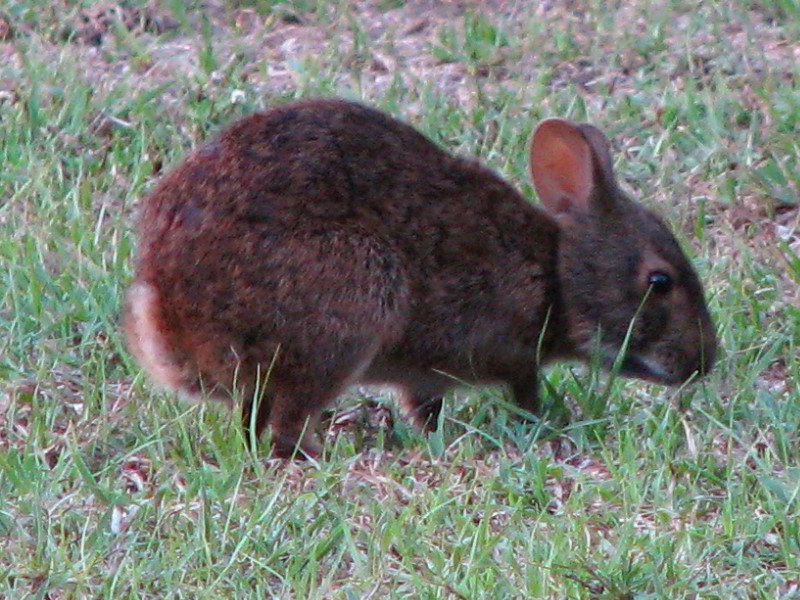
{"x":112,"y":489}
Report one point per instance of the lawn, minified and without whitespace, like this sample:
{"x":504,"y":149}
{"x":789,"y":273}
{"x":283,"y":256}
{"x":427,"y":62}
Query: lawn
{"x":111,"y":488}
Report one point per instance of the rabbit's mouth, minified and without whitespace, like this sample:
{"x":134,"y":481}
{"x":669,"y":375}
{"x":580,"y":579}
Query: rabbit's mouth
{"x":646,"y":369}
{"x":637,"y":366}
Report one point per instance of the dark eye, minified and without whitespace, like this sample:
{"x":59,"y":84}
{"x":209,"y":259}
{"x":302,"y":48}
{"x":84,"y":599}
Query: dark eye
{"x":660,"y":282}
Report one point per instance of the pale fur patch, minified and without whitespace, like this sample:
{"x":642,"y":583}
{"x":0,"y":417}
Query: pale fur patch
{"x":147,"y":341}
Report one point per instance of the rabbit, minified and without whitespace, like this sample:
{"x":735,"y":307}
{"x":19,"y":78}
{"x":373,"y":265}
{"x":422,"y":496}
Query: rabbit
{"x":323,"y":243}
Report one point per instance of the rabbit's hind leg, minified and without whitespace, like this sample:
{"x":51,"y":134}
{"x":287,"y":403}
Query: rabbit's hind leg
{"x":338,"y":295}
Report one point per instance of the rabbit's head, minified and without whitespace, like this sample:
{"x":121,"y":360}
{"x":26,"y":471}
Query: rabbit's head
{"x":622,"y":275}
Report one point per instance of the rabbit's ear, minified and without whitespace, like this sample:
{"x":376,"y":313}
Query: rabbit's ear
{"x":601,"y":150}
{"x":567,"y":161}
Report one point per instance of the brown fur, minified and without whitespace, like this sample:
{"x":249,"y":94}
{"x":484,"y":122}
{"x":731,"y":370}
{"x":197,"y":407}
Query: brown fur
{"x":330,"y":244}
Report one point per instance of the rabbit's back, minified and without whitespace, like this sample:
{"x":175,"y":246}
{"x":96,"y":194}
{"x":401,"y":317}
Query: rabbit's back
{"x":320,"y":161}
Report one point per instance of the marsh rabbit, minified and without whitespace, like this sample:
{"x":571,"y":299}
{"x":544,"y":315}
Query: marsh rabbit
{"x":323,"y":243}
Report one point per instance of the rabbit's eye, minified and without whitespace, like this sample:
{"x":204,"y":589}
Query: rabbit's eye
{"x":660,"y":282}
